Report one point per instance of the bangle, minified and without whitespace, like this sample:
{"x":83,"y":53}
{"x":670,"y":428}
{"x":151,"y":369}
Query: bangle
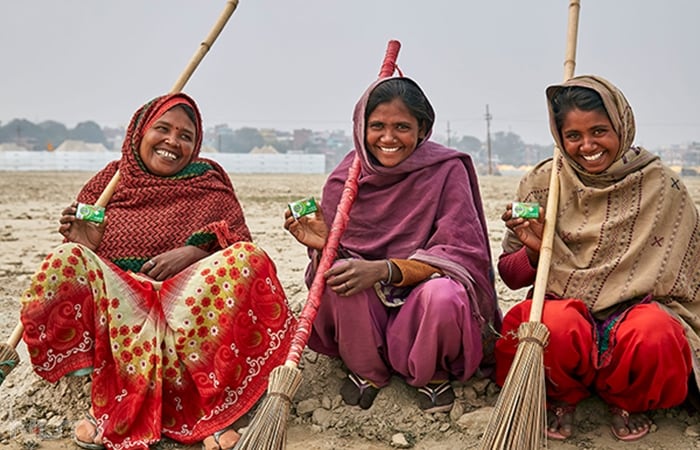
{"x":391,"y":273}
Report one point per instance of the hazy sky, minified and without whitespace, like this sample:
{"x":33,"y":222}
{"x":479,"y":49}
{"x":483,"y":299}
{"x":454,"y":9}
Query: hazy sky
{"x":291,"y":63}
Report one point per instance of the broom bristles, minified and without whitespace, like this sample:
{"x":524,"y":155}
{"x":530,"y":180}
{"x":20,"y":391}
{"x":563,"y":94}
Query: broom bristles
{"x":519,"y":418}
{"x":8,"y":361}
{"x":268,"y":429}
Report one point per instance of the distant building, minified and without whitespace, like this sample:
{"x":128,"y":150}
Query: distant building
{"x":302,"y":138}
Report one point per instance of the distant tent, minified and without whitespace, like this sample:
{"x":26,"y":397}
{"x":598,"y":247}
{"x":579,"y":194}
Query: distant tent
{"x":11,"y":147}
{"x":267,"y":149}
{"x":80,"y":146}
{"x":208,"y":149}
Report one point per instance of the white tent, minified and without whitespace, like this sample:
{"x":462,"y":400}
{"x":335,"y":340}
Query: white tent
{"x":80,"y":146}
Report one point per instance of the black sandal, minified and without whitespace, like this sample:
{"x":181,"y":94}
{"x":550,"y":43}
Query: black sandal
{"x":358,"y":391}
{"x":437,"y":397}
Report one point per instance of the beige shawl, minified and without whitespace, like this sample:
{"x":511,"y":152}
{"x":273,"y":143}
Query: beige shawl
{"x":621,"y":234}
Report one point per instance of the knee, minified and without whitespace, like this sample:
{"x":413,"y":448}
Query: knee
{"x":441,"y":295}
{"x":652,"y":330}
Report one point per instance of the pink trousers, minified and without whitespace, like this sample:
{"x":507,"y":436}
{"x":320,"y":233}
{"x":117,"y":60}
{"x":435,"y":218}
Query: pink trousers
{"x":434,"y":335}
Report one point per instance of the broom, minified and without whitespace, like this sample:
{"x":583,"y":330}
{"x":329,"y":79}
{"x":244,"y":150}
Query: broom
{"x":519,"y":418}
{"x":8,"y":355}
{"x":268,"y":429}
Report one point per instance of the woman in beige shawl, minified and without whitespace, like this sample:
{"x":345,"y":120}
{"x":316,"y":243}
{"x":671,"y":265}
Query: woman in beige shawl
{"x":624,"y":283}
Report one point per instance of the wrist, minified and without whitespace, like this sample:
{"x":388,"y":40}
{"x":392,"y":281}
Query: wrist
{"x":390,"y":273}
{"x":532,"y":256}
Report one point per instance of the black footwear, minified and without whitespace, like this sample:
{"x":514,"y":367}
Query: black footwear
{"x":358,"y":391}
{"x":437,"y":397}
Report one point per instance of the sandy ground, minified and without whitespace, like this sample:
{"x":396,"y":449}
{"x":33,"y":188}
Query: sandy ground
{"x":38,"y":415}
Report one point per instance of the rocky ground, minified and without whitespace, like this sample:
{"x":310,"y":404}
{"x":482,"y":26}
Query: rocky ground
{"x":39,"y":415}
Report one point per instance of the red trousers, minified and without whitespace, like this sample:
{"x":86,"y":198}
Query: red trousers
{"x":646,"y":367}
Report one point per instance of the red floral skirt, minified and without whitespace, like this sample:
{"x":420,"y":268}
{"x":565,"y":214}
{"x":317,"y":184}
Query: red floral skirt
{"x":183,"y":361}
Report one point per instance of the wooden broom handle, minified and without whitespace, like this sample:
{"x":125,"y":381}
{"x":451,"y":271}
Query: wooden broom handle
{"x":182,"y":80}
{"x":550,"y":219}
{"x":16,"y":335}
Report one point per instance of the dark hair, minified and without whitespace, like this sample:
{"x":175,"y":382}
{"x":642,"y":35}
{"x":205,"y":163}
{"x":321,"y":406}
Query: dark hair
{"x":575,"y":97}
{"x":409,"y":92}
{"x":188,"y":110}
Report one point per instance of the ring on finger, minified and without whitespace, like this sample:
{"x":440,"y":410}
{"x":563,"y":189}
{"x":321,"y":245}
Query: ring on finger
{"x":347,"y":288}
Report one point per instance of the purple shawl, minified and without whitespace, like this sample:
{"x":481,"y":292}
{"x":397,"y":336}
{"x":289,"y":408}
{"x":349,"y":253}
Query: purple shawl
{"x":427,"y":208}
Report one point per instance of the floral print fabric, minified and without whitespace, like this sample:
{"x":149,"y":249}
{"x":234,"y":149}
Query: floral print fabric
{"x":183,"y":361}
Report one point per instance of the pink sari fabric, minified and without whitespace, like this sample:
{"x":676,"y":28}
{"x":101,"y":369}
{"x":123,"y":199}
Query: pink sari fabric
{"x":423,"y":340}
{"x":427,"y":208}
{"x":182,"y":362}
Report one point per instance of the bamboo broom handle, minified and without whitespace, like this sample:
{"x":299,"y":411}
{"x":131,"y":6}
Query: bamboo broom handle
{"x":16,"y":335}
{"x":182,"y":79}
{"x":108,"y":191}
{"x":204,"y":47}
{"x":550,"y":219}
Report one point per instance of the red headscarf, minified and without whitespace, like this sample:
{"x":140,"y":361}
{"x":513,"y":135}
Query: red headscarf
{"x":150,"y":214}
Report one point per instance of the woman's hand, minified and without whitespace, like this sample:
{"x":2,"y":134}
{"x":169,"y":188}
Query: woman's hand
{"x":528,"y":231}
{"x":80,"y":231}
{"x":352,"y":276}
{"x":310,"y":230}
{"x":170,"y":263}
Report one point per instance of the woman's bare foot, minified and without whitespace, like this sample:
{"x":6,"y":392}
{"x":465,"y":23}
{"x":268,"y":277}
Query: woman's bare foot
{"x":560,"y":421}
{"x":628,"y":427}
{"x":86,"y":434}
{"x":221,"y":440}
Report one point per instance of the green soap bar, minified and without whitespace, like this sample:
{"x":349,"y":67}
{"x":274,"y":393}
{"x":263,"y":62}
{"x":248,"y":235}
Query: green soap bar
{"x":91,"y":213}
{"x":526,"y":210}
{"x":303,"y":207}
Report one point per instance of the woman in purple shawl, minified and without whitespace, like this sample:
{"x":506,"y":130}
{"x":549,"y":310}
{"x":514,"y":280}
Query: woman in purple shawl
{"x":411,"y":293}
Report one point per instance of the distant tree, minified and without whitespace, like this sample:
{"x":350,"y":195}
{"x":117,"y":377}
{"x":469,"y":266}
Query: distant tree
{"x":281,"y":146}
{"x":468,"y":144}
{"x":88,"y":132}
{"x":507,"y":147}
{"x":537,"y":153}
{"x":53,"y":134}
{"x":21,"y":132}
{"x":245,"y":139}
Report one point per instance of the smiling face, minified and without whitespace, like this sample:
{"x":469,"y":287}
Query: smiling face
{"x":392,"y":133}
{"x":590,"y":140}
{"x":167,"y":146}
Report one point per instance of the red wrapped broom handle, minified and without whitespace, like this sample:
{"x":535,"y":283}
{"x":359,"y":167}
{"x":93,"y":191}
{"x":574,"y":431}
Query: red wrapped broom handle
{"x":389,"y":64}
{"x":330,"y":250}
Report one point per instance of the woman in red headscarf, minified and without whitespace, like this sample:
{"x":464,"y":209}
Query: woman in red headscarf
{"x":176,"y":314}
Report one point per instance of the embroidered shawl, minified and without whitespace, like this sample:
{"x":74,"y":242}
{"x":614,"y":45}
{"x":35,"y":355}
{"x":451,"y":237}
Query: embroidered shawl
{"x":629,"y":231}
{"x":426,"y":208}
{"x":150,"y":214}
